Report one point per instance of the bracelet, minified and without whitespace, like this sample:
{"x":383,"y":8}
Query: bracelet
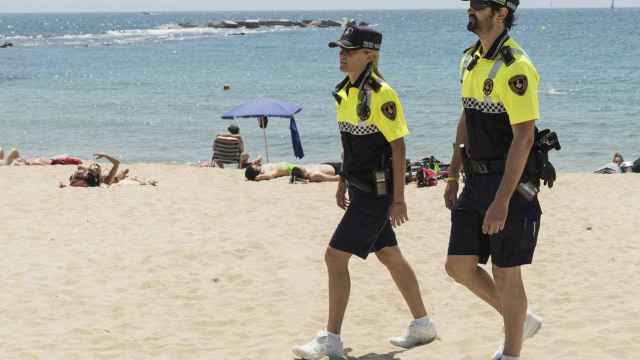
{"x":453,"y":179}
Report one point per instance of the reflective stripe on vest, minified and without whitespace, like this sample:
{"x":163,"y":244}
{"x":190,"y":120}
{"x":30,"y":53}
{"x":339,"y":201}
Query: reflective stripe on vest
{"x":496,"y":67}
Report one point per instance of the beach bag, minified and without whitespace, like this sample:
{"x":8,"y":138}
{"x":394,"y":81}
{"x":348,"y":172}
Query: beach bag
{"x":426,"y":177}
{"x":636,"y":166}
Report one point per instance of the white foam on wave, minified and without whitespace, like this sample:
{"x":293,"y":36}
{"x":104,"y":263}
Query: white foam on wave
{"x":553,"y":91}
{"x":165,"y":32}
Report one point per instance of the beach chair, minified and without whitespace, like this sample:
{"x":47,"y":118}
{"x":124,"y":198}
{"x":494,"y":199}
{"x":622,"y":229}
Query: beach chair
{"x":226,"y":151}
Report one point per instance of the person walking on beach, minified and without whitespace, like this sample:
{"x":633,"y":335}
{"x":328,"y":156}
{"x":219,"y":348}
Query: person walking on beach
{"x":372,"y":128}
{"x":494,"y":139}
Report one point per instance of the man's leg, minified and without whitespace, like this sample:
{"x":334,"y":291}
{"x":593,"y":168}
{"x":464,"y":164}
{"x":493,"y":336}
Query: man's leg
{"x":465,"y":270}
{"x":339,"y":287}
{"x":405,"y":279}
{"x":514,"y":307}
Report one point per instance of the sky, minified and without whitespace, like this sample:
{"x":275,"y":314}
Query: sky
{"x":217,"y":5}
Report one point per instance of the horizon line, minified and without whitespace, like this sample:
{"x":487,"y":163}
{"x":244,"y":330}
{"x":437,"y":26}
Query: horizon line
{"x":289,"y":10}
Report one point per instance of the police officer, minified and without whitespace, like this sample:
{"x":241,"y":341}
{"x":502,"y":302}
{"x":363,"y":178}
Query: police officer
{"x":496,"y":129}
{"x":372,"y":128}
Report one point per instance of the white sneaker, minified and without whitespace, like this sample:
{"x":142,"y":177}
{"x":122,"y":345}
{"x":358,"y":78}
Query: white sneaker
{"x":532,"y":325}
{"x":321,"y":346}
{"x":417,"y":334}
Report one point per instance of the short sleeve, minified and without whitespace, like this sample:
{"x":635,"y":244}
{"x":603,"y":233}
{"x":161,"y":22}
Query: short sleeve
{"x":520,"y":92}
{"x":390,"y":120}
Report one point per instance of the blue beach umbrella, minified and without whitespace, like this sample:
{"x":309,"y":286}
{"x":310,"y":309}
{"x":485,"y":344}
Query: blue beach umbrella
{"x":263,"y":108}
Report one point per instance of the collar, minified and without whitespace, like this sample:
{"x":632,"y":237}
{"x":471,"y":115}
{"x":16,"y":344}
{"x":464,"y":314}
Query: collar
{"x":497,"y":45}
{"x":360,"y":81}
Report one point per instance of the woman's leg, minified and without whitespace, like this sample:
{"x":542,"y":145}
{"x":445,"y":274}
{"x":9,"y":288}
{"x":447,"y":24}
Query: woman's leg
{"x":405,"y":279}
{"x":339,"y":287}
{"x":121,"y":175}
{"x":13,"y":155}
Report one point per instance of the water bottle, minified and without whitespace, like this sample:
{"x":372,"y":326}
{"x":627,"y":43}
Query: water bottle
{"x":528,"y":190}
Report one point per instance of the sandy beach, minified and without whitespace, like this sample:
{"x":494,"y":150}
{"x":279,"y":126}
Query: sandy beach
{"x":209,"y":266}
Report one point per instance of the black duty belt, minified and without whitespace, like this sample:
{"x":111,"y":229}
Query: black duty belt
{"x":484,"y":167}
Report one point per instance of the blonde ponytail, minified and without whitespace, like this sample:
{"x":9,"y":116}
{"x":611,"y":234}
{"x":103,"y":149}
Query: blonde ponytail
{"x":374,"y":64}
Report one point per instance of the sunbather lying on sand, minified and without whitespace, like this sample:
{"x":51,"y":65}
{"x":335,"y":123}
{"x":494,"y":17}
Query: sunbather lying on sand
{"x":15,"y":159}
{"x":92,"y":176}
{"x":311,"y":172}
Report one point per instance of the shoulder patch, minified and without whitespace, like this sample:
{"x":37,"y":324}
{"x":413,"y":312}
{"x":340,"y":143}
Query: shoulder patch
{"x":390,"y":110}
{"x":519,"y":84}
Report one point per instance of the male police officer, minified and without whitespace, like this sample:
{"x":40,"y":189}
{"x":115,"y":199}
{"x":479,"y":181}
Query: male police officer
{"x":494,"y":138}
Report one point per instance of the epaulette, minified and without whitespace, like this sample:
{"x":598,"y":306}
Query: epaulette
{"x":475,"y":47}
{"x":507,"y":55}
{"x":339,"y":87}
{"x":374,"y":83}
{"x":342,"y":83}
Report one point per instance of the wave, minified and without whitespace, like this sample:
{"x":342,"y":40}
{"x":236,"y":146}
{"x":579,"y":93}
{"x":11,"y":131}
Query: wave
{"x":554,"y":91}
{"x":162,"y":33}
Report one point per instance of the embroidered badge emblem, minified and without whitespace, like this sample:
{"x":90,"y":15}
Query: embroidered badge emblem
{"x":488,"y":87}
{"x":390,"y":110}
{"x":519,"y":84}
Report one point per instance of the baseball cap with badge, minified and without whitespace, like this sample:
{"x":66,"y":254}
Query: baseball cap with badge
{"x":482,"y":4}
{"x":358,"y":37}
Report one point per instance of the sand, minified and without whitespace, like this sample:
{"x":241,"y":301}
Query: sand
{"x":209,"y":266}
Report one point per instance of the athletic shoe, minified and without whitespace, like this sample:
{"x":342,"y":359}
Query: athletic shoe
{"x":321,"y":346}
{"x":532,"y":325}
{"x":417,"y":334}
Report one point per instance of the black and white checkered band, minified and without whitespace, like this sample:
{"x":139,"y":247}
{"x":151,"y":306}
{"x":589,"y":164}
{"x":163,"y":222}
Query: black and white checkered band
{"x":485,"y":107}
{"x":357,"y":129}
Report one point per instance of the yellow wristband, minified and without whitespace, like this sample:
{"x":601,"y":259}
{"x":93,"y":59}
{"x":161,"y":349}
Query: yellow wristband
{"x":453,"y":179}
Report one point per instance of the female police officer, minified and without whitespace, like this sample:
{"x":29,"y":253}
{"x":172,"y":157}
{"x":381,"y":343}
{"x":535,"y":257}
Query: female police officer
{"x":372,"y":127}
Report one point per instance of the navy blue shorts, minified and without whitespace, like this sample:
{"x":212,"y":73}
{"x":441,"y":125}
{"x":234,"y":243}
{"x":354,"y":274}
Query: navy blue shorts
{"x":514,"y":245}
{"x":365,"y":227}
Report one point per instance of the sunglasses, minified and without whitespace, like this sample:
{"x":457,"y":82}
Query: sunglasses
{"x":479,"y":4}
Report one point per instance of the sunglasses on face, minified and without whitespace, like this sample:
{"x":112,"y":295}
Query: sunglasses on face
{"x":479,"y":4}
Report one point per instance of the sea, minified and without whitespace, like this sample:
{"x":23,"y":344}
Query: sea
{"x":143,"y":88}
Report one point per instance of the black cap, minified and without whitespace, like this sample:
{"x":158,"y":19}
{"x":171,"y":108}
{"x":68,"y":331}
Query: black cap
{"x":511,"y":4}
{"x":358,"y":37}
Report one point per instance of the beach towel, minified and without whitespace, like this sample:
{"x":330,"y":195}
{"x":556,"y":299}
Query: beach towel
{"x":298,"y":151}
{"x":65,"y":160}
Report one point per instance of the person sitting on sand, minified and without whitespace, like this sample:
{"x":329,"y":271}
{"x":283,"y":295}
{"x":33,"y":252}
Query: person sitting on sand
{"x":616,"y":166}
{"x":234,"y":135}
{"x":312,"y":172}
{"x":92,"y":176}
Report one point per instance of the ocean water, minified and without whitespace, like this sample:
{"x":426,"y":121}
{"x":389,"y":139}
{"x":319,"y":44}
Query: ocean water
{"x":140,"y":87}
